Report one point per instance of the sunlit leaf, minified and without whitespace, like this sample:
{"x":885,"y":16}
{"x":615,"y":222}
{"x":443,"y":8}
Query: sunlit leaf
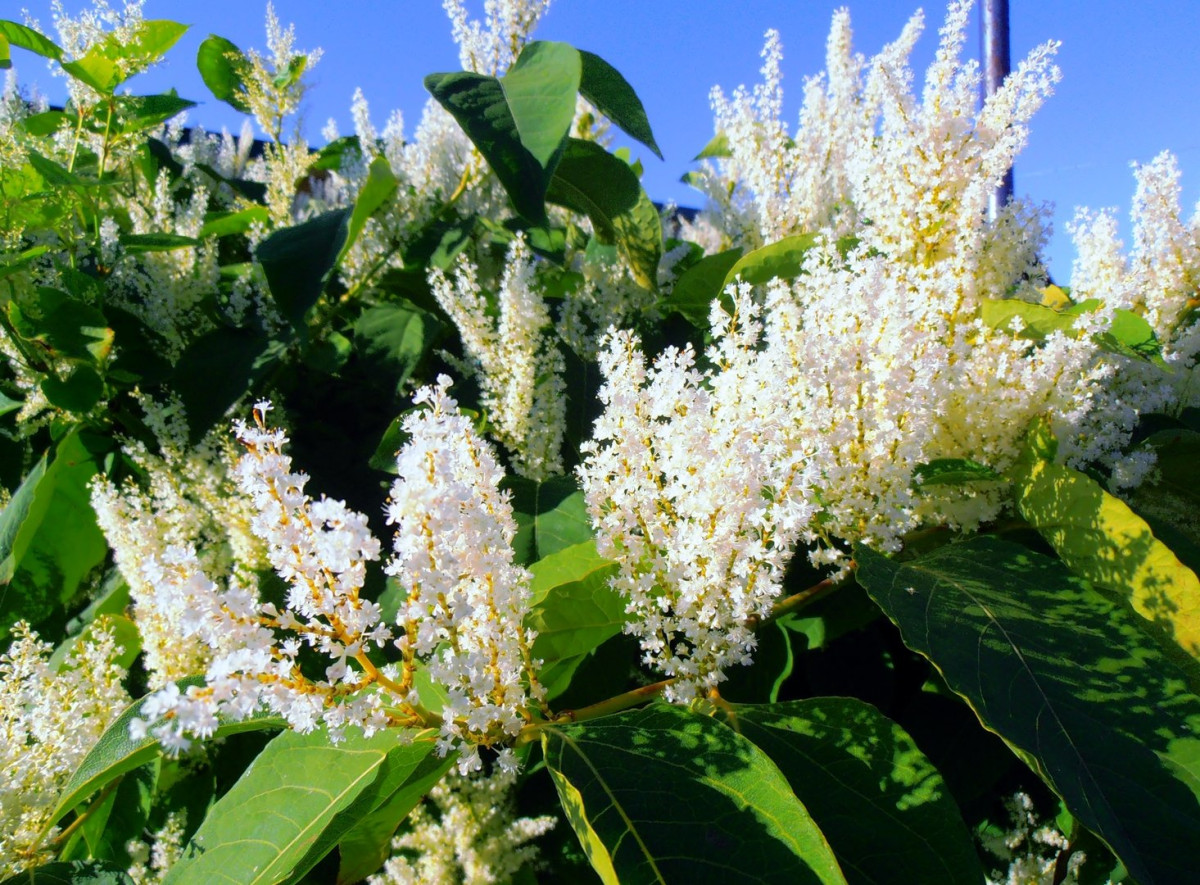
{"x":1069,"y":680}
{"x":879,"y":801}
{"x":665,"y":795}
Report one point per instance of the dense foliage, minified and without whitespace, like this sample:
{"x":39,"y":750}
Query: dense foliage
{"x":436,"y":507}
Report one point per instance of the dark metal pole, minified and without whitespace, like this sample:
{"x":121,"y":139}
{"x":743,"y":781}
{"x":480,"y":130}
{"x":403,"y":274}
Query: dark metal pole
{"x":996,"y":65}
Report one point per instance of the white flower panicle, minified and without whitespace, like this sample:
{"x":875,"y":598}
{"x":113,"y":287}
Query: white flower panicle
{"x":514,"y":356}
{"x":698,"y":485}
{"x":470,"y":836}
{"x":320,"y":549}
{"x":466,"y":600}
{"x":492,"y":47}
{"x":49,"y":720}
{"x":910,"y":177}
{"x":187,"y":498}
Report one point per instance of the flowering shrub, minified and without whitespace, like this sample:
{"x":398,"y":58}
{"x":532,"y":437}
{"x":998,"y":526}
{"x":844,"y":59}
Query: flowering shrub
{"x":413,"y":509}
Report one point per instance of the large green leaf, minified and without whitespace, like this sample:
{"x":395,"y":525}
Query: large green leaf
{"x":540,"y":90}
{"x":51,"y":542}
{"x":66,"y":326}
{"x":662,"y":794}
{"x":381,"y":183}
{"x":478,"y":104}
{"x":1100,"y":538}
{"x":879,"y":801}
{"x":296,"y":801}
{"x":551,"y":516}
{"x":1128,"y":334}
{"x":701,"y":284}
{"x":1069,"y":680}
{"x":610,"y":93}
{"x":28,"y":38}
{"x":365,"y":847}
{"x":573,"y":610}
{"x":394,"y":339}
{"x":297,"y":261}
{"x":216,"y":370}
{"x":593,"y":182}
{"x":116,"y":753}
{"x":223,"y":67}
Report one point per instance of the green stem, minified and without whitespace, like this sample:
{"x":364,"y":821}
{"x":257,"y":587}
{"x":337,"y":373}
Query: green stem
{"x":616,"y":704}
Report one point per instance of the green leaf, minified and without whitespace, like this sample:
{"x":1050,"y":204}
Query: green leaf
{"x":365,"y":847}
{"x":572,"y":610}
{"x":550,"y":515}
{"x":1172,"y":494}
{"x":78,"y":392}
{"x":540,"y":90}
{"x":124,"y":816}
{"x":97,"y":70}
{"x":299,"y":798}
{"x":74,"y":872}
{"x":478,"y":104}
{"x":223,"y":67}
{"x":333,"y":155}
{"x":953,"y":471}
{"x":390,"y":444}
{"x":56,"y":542}
{"x":55,"y":174}
{"x":138,"y":113}
{"x":216,"y":370}
{"x":1069,"y":680}
{"x":699,"y":285}
{"x":158,"y":242}
{"x":395,"y":339}
{"x":28,"y":38}
{"x":879,"y":801}
{"x":1100,"y":538}
{"x":66,"y":326}
{"x":593,"y":182}
{"x":717,"y":148}
{"x":224,"y":224}
{"x":151,"y":41}
{"x":665,"y":795}
{"x":1128,"y":334}
{"x":18,"y":514}
{"x":297,"y":261}
{"x":783,"y":259}
{"x":610,"y":93}
{"x":375,"y":191}
{"x":116,"y":753}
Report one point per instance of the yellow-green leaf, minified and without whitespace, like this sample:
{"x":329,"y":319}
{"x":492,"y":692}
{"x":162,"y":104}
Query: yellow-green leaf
{"x":1101,"y":539}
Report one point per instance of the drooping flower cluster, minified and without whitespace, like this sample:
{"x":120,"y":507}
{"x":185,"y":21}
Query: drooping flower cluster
{"x":470,"y":836}
{"x":466,"y":599}
{"x":50,"y":718}
{"x":514,"y":356}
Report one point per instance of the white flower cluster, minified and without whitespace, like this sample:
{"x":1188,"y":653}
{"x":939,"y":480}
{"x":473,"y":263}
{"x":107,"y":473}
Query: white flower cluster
{"x":491,"y":47}
{"x":1032,"y":852}
{"x":152,"y":861}
{"x":188,"y":499}
{"x":473,"y":838}
{"x":1158,"y":280}
{"x":907,"y":176}
{"x":453,"y":556}
{"x":319,"y":548}
{"x":49,"y":720}
{"x":466,"y":600}
{"x":699,"y":486}
{"x":514,"y":356}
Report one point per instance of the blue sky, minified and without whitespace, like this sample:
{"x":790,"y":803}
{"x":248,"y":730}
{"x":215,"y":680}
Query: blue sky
{"x":1131,"y":74}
